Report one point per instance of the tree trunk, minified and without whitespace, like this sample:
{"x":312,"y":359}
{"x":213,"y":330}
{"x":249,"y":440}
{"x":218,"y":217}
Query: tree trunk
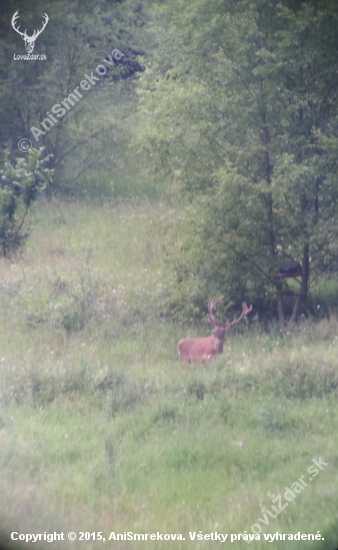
{"x":301,"y":298}
{"x":280,"y":304}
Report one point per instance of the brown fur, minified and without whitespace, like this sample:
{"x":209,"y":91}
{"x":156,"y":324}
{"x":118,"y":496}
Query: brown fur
{"x":200,"y":349}
{"x":203,"y":349}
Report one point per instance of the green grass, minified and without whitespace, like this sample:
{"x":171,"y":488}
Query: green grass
{"x":103,"y":429}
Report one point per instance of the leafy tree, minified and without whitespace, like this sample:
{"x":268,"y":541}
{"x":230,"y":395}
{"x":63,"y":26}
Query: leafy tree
{"x":78,"y":37}
{"x":242,"y":114}
{"x":21,"y":183}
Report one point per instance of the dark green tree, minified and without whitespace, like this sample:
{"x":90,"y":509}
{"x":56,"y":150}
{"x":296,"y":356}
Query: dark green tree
{"x":241,"y":113}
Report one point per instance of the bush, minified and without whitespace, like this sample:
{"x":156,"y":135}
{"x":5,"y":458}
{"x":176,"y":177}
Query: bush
{"x":20,"y":185}
{"x":63,"y":303}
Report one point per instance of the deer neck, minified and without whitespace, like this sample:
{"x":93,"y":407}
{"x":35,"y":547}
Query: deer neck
{"x":218,"y":342}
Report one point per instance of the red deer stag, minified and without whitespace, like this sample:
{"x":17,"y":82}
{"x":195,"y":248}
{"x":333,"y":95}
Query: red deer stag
{"x":203,"y":349}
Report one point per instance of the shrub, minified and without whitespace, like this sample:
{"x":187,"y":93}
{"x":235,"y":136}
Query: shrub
{"x":20,"y":186}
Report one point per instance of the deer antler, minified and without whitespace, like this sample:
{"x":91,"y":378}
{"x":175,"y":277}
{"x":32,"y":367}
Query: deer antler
{"x":24,"y":34}
{"x":14,"y":18}
{"x":245,"y":311}
{"x":228,"y":324}
{"x":211,"y":306}
{"x":36,"y":33}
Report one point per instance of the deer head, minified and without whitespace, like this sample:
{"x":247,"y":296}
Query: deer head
{"x":203,"y":349}
{"x":29,"y":40}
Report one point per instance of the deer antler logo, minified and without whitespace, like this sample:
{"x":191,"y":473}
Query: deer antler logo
{"x":29,"y":40}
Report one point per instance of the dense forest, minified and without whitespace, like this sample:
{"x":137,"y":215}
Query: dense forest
{"x":154,"y":156}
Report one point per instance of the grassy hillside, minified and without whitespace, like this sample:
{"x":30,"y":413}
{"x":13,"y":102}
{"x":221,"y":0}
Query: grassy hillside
{"x":103,"y":429}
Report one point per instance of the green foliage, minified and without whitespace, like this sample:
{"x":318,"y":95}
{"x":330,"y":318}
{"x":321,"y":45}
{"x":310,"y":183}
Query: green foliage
{"x":323,"y":299}
{"x":95,"y":132}
{"x":62,"y":303}
{"x":123,"y":394}
{"x":305,"y":380}
{"x":21,"y":183}
{"x":246,"y":130}
{"x":197,"y":389}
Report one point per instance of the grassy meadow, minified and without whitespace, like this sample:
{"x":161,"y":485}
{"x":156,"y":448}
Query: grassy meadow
{"x":102,"y":428}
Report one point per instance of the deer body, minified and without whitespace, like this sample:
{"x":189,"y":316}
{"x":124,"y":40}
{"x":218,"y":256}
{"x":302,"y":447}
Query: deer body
{"x":200,"y":349}
{"x":203,"y":349}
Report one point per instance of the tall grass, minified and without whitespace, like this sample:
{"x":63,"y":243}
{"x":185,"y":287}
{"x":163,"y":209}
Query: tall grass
{"x":103,"y":429}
